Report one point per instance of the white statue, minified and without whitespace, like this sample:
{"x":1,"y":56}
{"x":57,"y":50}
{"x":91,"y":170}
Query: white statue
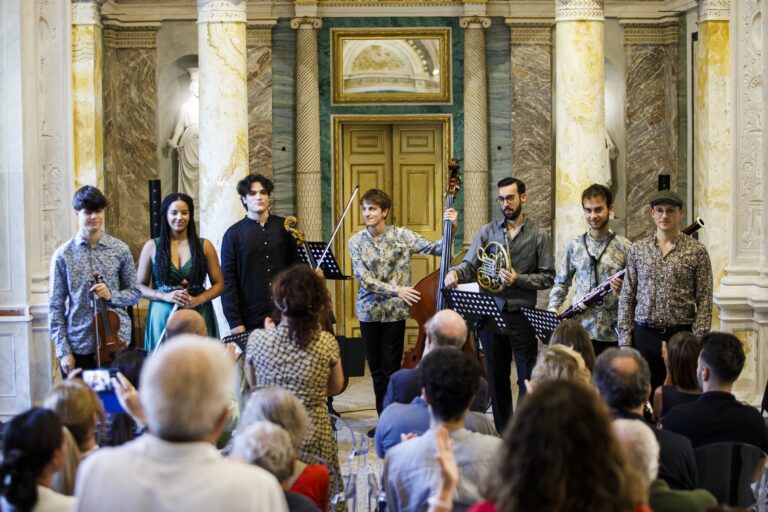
{"x":186,"y":141}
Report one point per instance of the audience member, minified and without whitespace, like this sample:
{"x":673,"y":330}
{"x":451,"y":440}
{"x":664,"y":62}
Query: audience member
{"x":559,"y":453}
{"x":81,"y":411}
{"x":643,"y":452}
{"x":623,"y":379}
{"x":121,"y":428}
{"x":445,"y":329}
{"x":269,"y":446}
{"x":571,"y":334}
{"x":680,"y":354}
{"x":185,"y":390}
{"x":717,"y":416}
{"x":558,"y":362}
{"x":33,"y":451}
{"x":186,"y":321}
{"x":411,"y":475}
{"x":278,"y":406}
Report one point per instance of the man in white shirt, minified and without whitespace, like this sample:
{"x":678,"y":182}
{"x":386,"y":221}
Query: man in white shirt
{"x":184,"y":392}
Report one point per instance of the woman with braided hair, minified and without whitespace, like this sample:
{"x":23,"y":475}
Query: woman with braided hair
{"x":177,"y":264}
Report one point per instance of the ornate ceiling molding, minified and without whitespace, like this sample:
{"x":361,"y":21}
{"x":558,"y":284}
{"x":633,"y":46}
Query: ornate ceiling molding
{"x":130,"y":37}
{"x":258,"y":36}
{"x":650,"y":34}
{"x":530,"y":33}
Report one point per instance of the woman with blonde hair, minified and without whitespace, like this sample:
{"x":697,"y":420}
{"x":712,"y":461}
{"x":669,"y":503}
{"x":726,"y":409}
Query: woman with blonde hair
{"x":80,"y":410}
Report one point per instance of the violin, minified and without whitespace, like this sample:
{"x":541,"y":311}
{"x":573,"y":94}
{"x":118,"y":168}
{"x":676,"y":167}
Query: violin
{"x":106,"y":328}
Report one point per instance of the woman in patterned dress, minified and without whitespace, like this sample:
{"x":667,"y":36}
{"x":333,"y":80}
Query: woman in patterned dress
{"x":298,"y":356}
{"x":178,"y":255}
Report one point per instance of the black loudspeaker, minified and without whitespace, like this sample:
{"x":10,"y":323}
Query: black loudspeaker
{"x":665,"y":182}
{"x":154,"y":208}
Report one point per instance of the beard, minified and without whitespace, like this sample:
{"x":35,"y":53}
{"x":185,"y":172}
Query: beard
{"x":514,"y":214}
{"x":601,"y":225}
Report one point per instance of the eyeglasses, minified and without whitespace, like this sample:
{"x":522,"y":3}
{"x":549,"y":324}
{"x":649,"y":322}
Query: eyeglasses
{"x":508,"y":199}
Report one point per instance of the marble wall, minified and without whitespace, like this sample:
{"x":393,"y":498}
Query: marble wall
{"x":283,"y":118}
{"x":651,"y":67}
{"x":259,"y":55}
{"x":499,"y":65}
{"x":129,"y":131}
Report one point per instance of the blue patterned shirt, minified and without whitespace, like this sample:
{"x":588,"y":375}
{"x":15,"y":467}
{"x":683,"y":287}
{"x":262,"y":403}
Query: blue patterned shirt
{"x":383,"y":268}
{"x":70,"y":311}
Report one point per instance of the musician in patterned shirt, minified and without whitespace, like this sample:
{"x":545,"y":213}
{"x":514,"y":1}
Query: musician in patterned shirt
{"x":667,"y":287}
{"x":381,"y":260}
{"x":590,"y":259}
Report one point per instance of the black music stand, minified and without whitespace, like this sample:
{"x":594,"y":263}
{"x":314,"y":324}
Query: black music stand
{"x":479,"y":310}
{"x":329,"y":265}
{"x":544,"y":322}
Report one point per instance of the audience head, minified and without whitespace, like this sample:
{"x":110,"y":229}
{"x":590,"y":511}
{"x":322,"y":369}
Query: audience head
{"x":449,"y":379}
{"x":721,"y":360}
{"x":683,"y":350}
{"x":559,"y":362}
{"x":641,"y":447}
{"x":622,"y":378}
{"x":278,"y":406}
{"x":302,"y":298}
{"x":571,"y":334}
{"x":122,"y":428}
{"x":185,"y":389}
{"x":559,"y":453}
{"x":32,"y":445}
{"x":446,"y":329}
{"x":186,"y":321}
{"x":79,"y":408}
{"x":268,"y":446}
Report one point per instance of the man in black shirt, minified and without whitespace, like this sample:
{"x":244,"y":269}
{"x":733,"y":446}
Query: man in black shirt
{"x":253,"y":252}
{"x":716,"y":416}
{"x":623,"y":379}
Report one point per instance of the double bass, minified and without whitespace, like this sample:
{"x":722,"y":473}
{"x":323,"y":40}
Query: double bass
{"x":429,"y":287}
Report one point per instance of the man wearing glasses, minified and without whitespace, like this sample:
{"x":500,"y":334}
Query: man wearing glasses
{"x":667,"y":287}
{"x":532,"y":269}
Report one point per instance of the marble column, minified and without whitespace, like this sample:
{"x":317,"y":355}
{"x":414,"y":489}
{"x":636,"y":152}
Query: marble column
{"x":259,"y":43}
{"x":223,"y":113}
{"x":308,"y":203}
{"x":87,"y":95}
{"x":712,"y":144}
{"x":580,"y":111}
{"x":475,"y":126}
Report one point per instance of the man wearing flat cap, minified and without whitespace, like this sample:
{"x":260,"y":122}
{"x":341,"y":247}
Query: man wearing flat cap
{"x":667,"y":286}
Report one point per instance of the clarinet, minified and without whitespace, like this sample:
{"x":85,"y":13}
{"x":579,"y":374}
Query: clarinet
{"x":600,"y":291}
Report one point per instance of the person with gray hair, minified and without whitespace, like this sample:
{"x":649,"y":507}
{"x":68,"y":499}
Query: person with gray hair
{"x":269,"y":446}
{"x":445,"y":329}
{"x":184,"y":392}
{"x":623,"y":379}
{"x":558,"y":362}
{"x":642,"y":451}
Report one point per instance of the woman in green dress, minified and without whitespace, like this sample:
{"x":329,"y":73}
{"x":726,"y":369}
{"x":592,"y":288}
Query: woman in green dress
{"x":176,"y":265}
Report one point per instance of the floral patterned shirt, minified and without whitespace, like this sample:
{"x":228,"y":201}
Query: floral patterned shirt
{"x":382,"y":268}
{"x":611,"y":251}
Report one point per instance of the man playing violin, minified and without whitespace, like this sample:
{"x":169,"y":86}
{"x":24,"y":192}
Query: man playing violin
{"x":590,"y":259}
{"x":532,"y":269}
{"x":73,"y":287}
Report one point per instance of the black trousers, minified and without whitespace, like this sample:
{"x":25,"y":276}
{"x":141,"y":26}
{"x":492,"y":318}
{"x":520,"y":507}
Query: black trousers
{"x":648,"y":342}
{"x":499,"y":350}
{"x":84,"y":361}
{"x":384,"y":353}
{"x":602,"y":346}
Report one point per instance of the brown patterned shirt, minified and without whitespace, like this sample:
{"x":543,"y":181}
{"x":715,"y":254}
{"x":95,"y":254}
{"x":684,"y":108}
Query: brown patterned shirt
{"x":666,"y":290}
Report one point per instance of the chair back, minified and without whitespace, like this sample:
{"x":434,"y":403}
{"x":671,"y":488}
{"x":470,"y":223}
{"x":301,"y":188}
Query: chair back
{"x":727,"y":471}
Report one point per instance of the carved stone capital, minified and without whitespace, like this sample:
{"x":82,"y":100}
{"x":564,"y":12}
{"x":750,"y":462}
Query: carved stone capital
{"x":579,"y":10}
{"x":714,"y":10}
{"x":475,"y":21}
{"x":130,"y":37}
{"x":306,"y":22}
{"x":650,"y":35}
{"x":86,"y":13}
{"x":221,"y":11}
{"x":530,"y":33}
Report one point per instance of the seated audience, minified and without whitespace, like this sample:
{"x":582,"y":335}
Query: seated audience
{"x":80,"y":409}
{"x":33,"y":451}
{"x":681,"y":355}
{"x":446,"y":329}
{"x":278,"y":406}
{"x":571,"y":334}
{"x":717,"y":416}
{"x":121,"y":428}
{"x":269,"y":446}
{"x":559,"y":453}
{"x":184,"y":392}
{"x":643,"y":451}
{"x":411,"y":474}
{"x":186,"y":321}
{"x":623,"y":379}
{"x":558,"y":362}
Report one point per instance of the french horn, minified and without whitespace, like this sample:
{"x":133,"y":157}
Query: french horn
{"x":493,"y":257}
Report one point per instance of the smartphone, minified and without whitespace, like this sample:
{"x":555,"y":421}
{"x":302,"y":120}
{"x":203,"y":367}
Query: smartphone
{"x":101,"y":382}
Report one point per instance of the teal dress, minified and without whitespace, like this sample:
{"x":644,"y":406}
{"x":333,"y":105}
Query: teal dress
{"x":159,"y":311}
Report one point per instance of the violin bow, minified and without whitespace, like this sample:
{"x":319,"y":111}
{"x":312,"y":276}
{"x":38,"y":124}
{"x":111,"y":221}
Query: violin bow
{"x":173,"y":310}
{"x":338,"y":225}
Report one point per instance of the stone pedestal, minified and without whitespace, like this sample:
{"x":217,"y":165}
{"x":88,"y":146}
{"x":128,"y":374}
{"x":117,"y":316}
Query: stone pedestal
{"x":580,"y":111}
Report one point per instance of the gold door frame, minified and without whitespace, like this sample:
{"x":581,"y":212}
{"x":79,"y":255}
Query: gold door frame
{"x":339,"y":202}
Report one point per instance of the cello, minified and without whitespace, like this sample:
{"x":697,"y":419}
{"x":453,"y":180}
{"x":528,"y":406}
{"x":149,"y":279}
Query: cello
{"x":429,"y":287}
